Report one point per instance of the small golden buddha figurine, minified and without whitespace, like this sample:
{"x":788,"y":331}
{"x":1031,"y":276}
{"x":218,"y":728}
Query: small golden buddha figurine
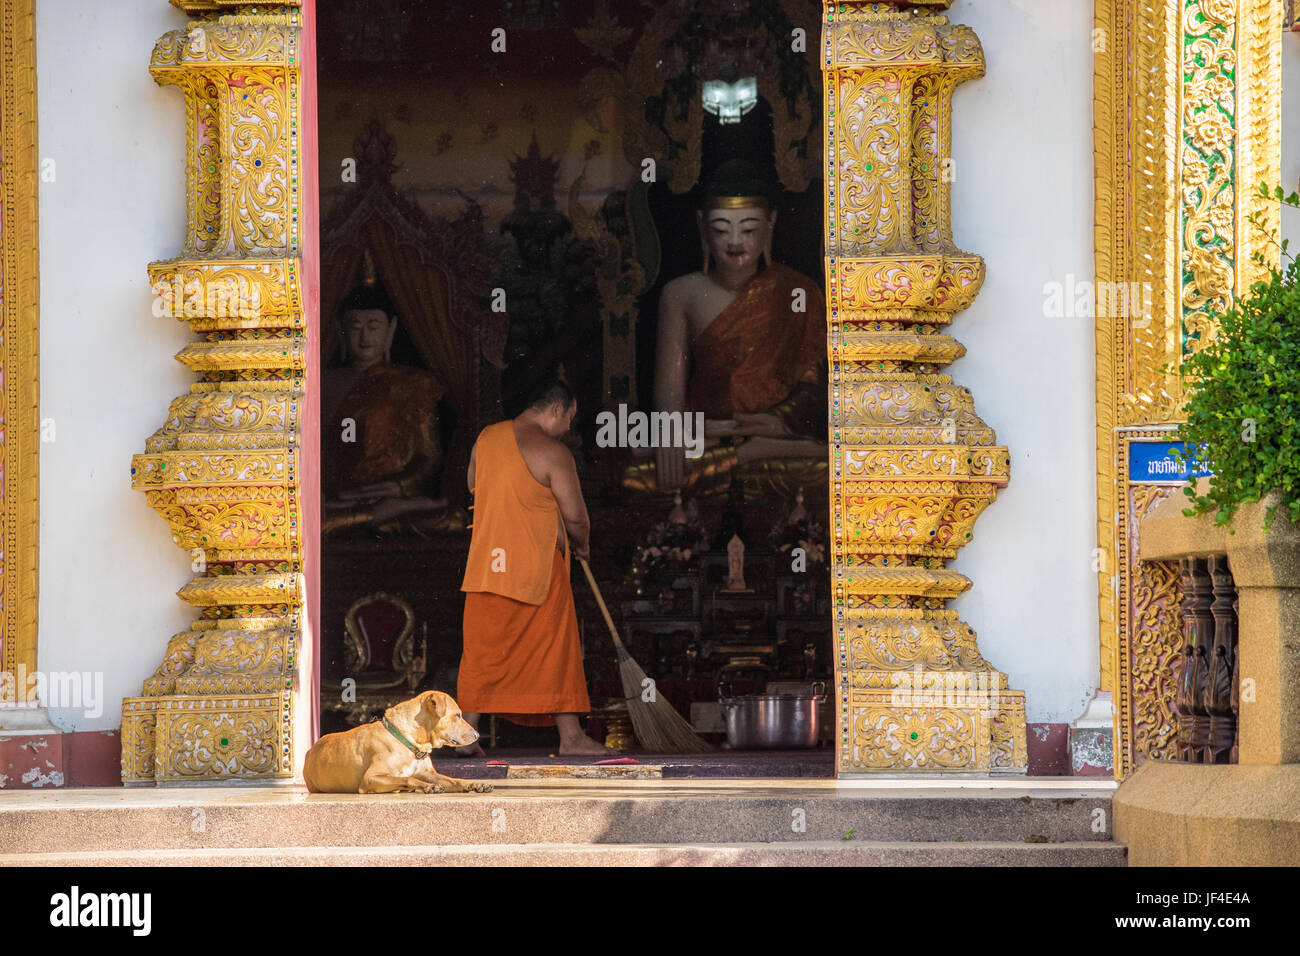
{"x":751,"y":335}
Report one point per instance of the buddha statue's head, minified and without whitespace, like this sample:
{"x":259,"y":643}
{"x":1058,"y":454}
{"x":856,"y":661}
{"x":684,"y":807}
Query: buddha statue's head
{"x":368,"y":322}
{"x":736,"y":218}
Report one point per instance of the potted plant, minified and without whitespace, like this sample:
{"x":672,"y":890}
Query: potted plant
{"x":1243,"y":398}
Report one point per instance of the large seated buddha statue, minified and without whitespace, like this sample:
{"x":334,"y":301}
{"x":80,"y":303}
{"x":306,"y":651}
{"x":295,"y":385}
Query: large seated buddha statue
{"x":379,"y":428}
{"x":743,"y":341}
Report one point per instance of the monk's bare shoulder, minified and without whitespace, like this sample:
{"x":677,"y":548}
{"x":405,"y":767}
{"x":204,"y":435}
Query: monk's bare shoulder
{"x":544,"y":455}
{"x":556,"y":452}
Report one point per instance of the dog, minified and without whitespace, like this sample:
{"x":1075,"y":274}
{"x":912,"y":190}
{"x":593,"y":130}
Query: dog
{"x":392,"y":754}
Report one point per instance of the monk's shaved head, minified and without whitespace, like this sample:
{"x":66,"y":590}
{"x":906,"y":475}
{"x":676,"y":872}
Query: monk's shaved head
{"x":550,"y":391}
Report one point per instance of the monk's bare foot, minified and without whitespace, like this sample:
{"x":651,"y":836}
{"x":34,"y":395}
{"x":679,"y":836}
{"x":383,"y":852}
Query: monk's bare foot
{"x":471,"y":750}
{"x":584,"y":746}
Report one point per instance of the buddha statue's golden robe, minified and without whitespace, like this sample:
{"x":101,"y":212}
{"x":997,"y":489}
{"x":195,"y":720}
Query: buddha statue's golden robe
{"x":758,"y":350}
{"x":758,"y":355}
{"x":394,"y":408}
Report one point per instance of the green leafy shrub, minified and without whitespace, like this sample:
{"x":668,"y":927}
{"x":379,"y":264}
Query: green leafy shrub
{"x":1244,"y":394}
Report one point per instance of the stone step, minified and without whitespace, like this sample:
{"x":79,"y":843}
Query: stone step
{"x":806,"y":853}
{"x":207,"y":819}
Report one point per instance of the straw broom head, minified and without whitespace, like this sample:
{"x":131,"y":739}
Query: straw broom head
{"x":656,"y":722}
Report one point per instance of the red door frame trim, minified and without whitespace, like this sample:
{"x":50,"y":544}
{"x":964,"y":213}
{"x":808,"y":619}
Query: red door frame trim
{"x":309,"y":435}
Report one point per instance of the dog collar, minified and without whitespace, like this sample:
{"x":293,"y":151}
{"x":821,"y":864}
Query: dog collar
{"x":402,"y":737}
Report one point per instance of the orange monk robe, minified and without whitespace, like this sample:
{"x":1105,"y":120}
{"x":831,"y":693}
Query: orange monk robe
{"x":523,"y":661}
{"x":758,"y":350}
{"x":522,"y":656}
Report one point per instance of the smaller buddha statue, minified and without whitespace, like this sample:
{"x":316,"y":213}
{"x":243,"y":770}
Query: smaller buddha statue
{"x":380,"y":426}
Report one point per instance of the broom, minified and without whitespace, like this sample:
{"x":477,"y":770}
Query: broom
{"x":656,"y":723}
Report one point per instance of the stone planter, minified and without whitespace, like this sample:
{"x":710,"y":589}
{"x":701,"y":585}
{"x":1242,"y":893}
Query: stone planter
{"x":1242,"y":814}
{"x":1266,"y":568}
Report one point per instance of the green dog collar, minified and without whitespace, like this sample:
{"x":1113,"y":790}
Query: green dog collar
{"x":402,"y":737}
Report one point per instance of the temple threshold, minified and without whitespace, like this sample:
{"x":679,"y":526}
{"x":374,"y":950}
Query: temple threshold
{"x":1043,"y":822}
{"x":541,"y":763}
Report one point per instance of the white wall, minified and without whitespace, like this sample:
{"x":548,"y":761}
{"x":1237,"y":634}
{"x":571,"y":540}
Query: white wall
{"x":108,"y":567}
{"x":1022,"y":199}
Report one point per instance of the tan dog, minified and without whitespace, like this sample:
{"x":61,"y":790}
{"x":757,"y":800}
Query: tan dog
{"x":392,"y":754}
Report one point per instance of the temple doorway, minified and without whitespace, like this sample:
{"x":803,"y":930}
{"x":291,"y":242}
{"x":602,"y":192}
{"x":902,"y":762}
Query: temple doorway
{"x":506,"y":192}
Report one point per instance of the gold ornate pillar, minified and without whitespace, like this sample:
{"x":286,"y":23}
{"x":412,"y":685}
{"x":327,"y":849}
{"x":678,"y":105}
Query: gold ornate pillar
{"x":224,"y":468}
{"x":20,"y":333}
{"x":1187,"y":108}
{"x":912,"y":463}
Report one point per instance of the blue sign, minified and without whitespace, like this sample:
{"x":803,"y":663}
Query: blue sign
{"x":1153,"y":463}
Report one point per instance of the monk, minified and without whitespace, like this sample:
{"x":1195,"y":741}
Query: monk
{"x":522,"y":659}
{"x":743,"y":341}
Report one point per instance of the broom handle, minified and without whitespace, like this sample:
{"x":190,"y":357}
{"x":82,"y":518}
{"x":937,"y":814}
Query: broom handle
{"x":613,"y":631}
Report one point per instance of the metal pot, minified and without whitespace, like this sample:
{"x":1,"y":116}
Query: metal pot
{"x":785,"y":722}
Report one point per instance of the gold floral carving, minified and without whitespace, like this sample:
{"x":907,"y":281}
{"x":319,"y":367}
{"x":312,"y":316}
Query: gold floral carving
{"x":1187,"y":125}
{"x":223,"y":469}
{"x":217,"y":737}
{"x":913,"y":465}
{"x":224,"y":293}
{"x":951,"y":737}
{"x":1156,"y":625}
{"x":20,"y":337}
{"x":216,"y":6}
{"x":1150,"y":631}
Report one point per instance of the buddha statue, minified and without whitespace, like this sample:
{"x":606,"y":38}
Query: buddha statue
{"x":380,"y":437}
{"x":744,"y":342}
